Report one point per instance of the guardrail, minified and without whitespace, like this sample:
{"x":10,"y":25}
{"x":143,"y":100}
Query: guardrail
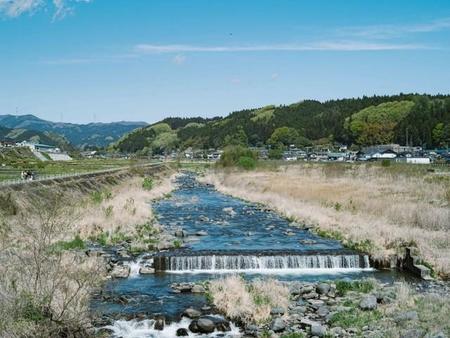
{"x":71,"y":175}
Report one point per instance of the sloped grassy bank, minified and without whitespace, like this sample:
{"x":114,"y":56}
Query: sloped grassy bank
{"x":46,"y":277}
{"x":368,"y":207}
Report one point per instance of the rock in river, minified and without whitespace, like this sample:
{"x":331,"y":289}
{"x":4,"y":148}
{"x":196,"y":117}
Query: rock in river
{"x":205,"y":325}
{"x":197,"y":289}
{"x":120,"y":271}
{"x":182,"y":332}
{"x":192,"y":313}
{"x":159,"y":324}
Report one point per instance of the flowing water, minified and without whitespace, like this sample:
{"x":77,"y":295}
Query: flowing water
{"x":222,"y":235}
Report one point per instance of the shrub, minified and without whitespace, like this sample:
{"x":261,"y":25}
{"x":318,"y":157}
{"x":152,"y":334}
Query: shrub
{"x":147,"y":184}
{"x":247,"y":163}
{"x":275,"y":154}
{"x":7,"y":205}
{"x":76,"y":244}
{"x":385,"y":163}
{"x":108,"y":211}
{"x":232,"y":155}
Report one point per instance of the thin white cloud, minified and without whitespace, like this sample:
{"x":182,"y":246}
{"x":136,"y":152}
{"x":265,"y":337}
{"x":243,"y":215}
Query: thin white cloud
{"x":393,"y":31}
{"x":318,"y":46}
{"x":179,"y":59}
{"x":15,"y":8}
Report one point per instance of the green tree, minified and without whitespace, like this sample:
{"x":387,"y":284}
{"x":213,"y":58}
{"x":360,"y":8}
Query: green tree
{"x":283,"y":137}
{"x":438,"y":134}
{"x":238,"y":138}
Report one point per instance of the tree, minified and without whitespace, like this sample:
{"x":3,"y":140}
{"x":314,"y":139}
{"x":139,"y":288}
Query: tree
{"x":238,"y":138}
{"x":438,"y":134}
{"x":283,"y":137}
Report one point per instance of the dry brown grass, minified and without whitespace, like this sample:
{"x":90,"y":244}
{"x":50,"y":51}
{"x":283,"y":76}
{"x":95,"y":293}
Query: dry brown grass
{"x":248,"y":302}
{"x":129,"y":206}
{"x":44,"y":289}
{"x":359,"y":201}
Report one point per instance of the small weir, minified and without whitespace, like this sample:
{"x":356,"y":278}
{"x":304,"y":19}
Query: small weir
{"x":217,"y":261}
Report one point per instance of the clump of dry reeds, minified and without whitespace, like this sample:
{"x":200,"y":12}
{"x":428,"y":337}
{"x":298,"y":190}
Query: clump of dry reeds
{"x":248,"y":302}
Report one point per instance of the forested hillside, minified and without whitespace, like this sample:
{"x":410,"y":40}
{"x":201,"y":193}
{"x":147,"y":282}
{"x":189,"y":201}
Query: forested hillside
{"x":425,"y":119}
{"x":80,"y":135}
{"x":20,"y":134}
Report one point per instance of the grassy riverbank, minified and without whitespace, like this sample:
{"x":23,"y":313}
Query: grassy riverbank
{"x":45,"y":276}
{"x":369,"y":207}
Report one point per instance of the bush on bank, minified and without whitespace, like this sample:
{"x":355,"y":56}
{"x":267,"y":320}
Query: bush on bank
{"x":238,"y":156}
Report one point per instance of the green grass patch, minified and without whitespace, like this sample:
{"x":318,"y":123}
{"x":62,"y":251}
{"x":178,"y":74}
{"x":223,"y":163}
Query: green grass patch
{"x":293,"y":335}
{"x":76,"y":244}
{"x":363,"y":286}
{"x":355,"y":318}
{"x":148,"y":183}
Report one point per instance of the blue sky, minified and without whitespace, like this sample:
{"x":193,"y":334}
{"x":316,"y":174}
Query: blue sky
{"x":109,"y":60}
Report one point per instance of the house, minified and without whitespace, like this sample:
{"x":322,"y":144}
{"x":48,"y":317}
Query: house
{"x":377,"y":153}
{"x":337,"y":157}
{"x":40,"y":147}
{"x":418,"y":160}
{"x":7,"y":144}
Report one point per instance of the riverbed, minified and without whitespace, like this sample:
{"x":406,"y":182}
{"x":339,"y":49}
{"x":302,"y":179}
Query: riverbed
{"x":224,"y":235}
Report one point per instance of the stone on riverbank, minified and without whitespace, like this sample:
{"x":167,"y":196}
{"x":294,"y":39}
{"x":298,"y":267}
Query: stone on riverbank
{"x":368,"y":303}
{"x":318,"y":330}
{"x":120,"y":271}
{"x":278,"y":325}
{"x":198,"y":289}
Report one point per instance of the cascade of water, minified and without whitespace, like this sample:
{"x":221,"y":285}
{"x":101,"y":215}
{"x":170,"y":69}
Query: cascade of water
{"x":270,"y":262}
{"x":135,"y":266}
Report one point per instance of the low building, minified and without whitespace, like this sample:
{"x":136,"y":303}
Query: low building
{"x":418,"y":160}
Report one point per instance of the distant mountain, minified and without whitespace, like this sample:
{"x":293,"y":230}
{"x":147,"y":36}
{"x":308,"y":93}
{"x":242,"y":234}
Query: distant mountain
{"x":423,"y":119}
{"x":80,"y":135}
{"x":21,"y":134}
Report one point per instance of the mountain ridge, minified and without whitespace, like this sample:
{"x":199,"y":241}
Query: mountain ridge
{"x":99,"y":134}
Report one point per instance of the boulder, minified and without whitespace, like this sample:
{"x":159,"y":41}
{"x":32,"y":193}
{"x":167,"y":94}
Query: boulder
{"x":406,"y":316}
{"x":278,"y":325}
{"x":323,"y":288}
{"x":146,"y":270}
{"x":368,"y":303}
{"x":205,"y":325}
{"x":182,"y":332}
{"x":318,"y":330}
{"x":192,"y":313}
{"x":277,"y":311}
{"x":120,"y":271}
{"x":198,"y":289}
{"x":201,"y":233}
{"x":229,"y":211}
{"x":180,"y":233}
{"x":159,"y":324}
{"x":193,"y":327}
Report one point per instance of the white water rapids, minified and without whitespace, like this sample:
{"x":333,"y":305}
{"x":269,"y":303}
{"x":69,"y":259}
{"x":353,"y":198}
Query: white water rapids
{"x":144,"y":329}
